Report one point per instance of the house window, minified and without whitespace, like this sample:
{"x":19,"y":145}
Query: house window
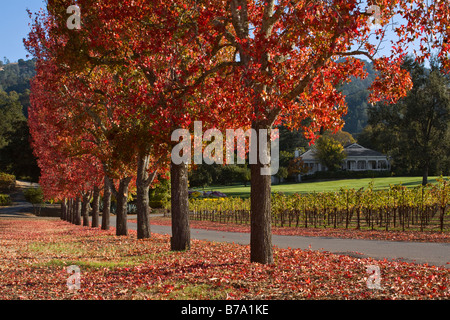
{"x":362,"y":165}
{"x":382,"y":164}
{"x":351,"y":165}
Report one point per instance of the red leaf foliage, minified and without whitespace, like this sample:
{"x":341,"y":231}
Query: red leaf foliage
{"x":35,"y":254}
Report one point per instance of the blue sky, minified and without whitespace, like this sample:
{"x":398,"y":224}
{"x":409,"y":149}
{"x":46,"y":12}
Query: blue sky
{"x":14,"y":27}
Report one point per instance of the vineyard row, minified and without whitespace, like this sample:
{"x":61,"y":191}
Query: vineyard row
{"x":397,"y":208}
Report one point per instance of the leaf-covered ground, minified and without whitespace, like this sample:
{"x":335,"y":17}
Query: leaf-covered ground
{"x":35,"y":254}
{"x":351,"y":233}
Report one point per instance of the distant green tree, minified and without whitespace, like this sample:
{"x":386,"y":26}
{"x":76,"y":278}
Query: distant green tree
{"x":35,"y":196}
{"x":282,"y":173}
{"x":16,"y":76}
{"x":159,"y":194}
{"x":201,"y":176}
{"x":343,"y":137}
{"x":291,"y":140}
{"x":416,"y":129}
{"x":330,"y":153}
{"x":285,"y":159}
{"x":242,"y":174}
{"x":16,"y":156}
{"x":10,"y":114}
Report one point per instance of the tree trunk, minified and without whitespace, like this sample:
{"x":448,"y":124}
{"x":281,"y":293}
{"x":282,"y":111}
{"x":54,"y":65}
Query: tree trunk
{"x":142,"y":200}
{"x":70,"y":210}
{"x":85,"y":209}
{"x":78,"y":211}
{"x":66,"y":205}
{"x":73,"y":210}
{"x":260,"y":226}
{"x":95,"y":207}
{"x":181,"y":236}
{"x":441,"y":219}
{"x":358,"y":218}
{"x":121,"y":211}
{"x":106,"y":213}
{"x":64,"y":210}
{"x":425,"y":175}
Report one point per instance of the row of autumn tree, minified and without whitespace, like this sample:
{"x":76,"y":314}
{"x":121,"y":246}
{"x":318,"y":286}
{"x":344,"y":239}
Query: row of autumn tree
{"x":107,"y":96}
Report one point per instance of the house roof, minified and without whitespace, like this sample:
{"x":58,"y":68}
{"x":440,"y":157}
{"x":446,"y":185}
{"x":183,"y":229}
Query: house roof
{"x":309,"y":155}
{"x":352,"y":150}
{"x":356,"y":150}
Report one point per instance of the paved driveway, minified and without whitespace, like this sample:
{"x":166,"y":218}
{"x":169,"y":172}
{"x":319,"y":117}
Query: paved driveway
{"x":20,"y":208}
{"x":437,"y":254}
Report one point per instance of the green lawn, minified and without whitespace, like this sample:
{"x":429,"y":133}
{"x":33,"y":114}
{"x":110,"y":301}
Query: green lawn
{"x":334,"y":185}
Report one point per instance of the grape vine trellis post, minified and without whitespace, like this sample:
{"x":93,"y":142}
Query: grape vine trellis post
{"x":397,"y":208}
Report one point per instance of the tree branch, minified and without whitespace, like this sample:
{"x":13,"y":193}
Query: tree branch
{"x":355,"y":53}
{"x":152,"y":176}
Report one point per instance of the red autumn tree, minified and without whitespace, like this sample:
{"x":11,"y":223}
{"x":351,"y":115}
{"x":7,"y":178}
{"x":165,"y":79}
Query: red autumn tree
{"x":97,"y":113}
{"x":160,"y":76}
{"x":292,"y":56}
{"x":168,"y":70}
{"x":172,"y":58}
{"x":64,"y":175}
{"x":281,"y":62}
{"x":70,"y":106}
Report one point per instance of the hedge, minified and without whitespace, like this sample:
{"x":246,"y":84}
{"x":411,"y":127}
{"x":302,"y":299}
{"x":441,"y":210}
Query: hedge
{"x":7,"y":182}
{"x":347,"y":175}
{"x":5,"y":200}
{"x":36,"y":197}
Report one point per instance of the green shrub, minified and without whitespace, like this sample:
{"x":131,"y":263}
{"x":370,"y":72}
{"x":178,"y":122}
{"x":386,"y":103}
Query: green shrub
{"x":156,"y":204}
{"x":36,"y":197}
{"x":159,"y":195}
{"x":347,"y":175}
{"x":7,"y":182}
{"x":5,"y":200}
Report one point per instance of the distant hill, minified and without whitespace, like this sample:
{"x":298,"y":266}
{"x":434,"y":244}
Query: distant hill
{"x":16,"y":156}
{"x":16,"y":77}
{"x":357,"y":96}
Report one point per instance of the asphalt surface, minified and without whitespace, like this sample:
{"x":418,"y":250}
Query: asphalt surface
{"x":437,"y":254}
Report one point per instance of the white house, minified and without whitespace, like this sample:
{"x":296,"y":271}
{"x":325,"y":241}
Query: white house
{"x":358,"y":159}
